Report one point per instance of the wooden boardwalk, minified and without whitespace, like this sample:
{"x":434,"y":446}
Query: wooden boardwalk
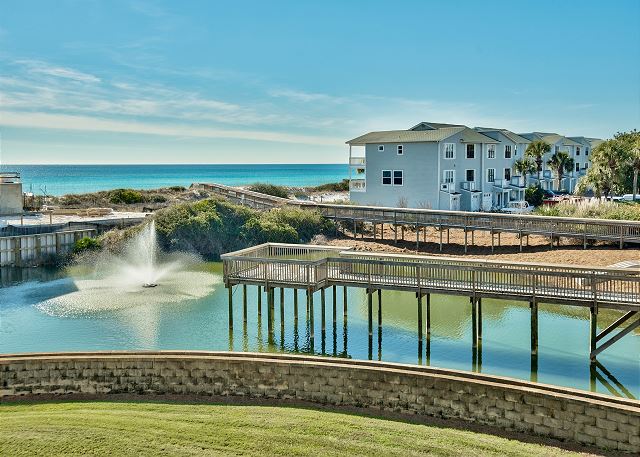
{"x":554,"y":228}
{"x":314,"y":268}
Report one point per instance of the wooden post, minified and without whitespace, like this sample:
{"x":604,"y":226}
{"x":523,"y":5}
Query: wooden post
{"x":428,"y":315}
{"x":520,"y":239}
{"x":355,"y":230}
{"x":335,"y":299}
{"x":379,"y":308}
{"x":323,"y":306}
{"x":295,"y":305}
{"x":230,"y":289}
{"x":493,"y":243}
{"x":479,"y":300}
{"x":440,"y":230}
{"x":244,"y":303}
{"x":282,"y":308}
{"x":269,"y":311}
{"x":417,"y":237}
{"x":593,"y":329}
{"x":344,"y":301}
{"x":420,"y":338}
{"x":259,"y":301}
{"x":474,"y":323}
{"x":310,"y":306}
{"x":370,"y":312}
{"x":534,"y":328}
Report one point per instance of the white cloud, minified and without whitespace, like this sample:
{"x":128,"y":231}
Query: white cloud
{"x":92,"y":124}
{"x":36,"y":66}
{"x":301,"y":96}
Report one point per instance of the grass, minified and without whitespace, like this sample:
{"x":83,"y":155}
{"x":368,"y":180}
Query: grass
{"x":592,"y":210}
{"x":135,"y":428}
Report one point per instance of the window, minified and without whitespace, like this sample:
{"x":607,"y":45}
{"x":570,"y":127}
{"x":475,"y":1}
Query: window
{"x":491,"y":151}
{"x":397,"y":177}
{"x":449,"y":176}
{"x":507,"y":151}
{"x":386,"y":177}
{"x":381,"y":147}
{"x":449,"y":150}
{"x":470,"y":175}
{"x":586,"y":165}
{"x":491,"y":175}
{"x":577,"y":150}
{"x":586,"y":151}
{"x":400,"y":150}
{"x":515,"y":150}
{"x":507,"y":174}
{"x":577,"y":166}
{"x":471,"y":151}
{"x":557,"y":149}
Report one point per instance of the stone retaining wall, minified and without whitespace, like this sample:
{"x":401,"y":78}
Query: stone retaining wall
{"x":561,"y":413}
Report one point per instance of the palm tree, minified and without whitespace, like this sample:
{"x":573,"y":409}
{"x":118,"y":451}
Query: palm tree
{"x":560,"y":162}
{"x":524,"y":167}
{"x":536,"y":151}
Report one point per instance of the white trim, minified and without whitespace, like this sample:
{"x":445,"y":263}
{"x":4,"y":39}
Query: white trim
{"x":393,"y":178}
{"x":390,"y":177}
{"x":444,"y":177}
{"x":474,"y":174}
{"x":400,"y":149}
{"x":494,"y":175}
{"x":466,"y":154}
{"x":444,"y":152}
{"x":494,"y":151}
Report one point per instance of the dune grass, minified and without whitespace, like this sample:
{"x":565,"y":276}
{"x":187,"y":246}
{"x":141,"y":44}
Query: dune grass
{"x":154,"y":428}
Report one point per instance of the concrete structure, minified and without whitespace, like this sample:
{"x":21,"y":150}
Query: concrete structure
{"x":451,"y":167}
{"x":11,"y":199}
{"x":499,"y":403}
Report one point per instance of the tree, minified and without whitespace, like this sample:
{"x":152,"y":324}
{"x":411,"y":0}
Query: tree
{"x":536,"y":151}
{"x":635,"y":164}
{"x":524,"y":167}
{"x":561,"y":162}
{"x":629,"y":143}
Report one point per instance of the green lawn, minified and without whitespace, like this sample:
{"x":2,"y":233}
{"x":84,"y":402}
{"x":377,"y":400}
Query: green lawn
{"x":134,"y":428}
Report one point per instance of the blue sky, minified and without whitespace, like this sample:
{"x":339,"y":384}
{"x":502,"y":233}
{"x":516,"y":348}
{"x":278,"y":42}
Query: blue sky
{"x":139,"y":81}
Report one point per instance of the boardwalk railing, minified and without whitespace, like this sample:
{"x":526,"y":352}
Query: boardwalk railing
{"x":317,"y":267}
{"x":579,"y":229}
{"x":27,"y":250}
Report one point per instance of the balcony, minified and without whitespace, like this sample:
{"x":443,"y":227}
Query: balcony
{"x":501,"y":183}
{"x":9,"y":178}
{"x":358,"y":185}
{"x":518,"y":181}
{"x":358,"y":161}
{"x":448,"y":187}
{"x":468,"y":185}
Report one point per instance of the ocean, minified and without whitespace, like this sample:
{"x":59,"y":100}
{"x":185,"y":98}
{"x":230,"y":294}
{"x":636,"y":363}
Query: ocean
{"x":68,"y":179}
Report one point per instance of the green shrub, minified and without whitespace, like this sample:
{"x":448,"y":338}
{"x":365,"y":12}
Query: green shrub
{"x":178,"y":188}
{"x":534,"y":195}
{"x":125,"y":196}
{"x":86,"y":244}
{"x":270,"y":189}
{"x":158,"y":198}
{"x":342,"y":186}
{"x":593,"y":210}
{"x":212,"y":227}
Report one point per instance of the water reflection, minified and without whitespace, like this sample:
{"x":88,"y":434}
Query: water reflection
{"x":202,"y":324}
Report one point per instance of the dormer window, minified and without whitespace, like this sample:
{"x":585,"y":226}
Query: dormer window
{"x":400,"y":149}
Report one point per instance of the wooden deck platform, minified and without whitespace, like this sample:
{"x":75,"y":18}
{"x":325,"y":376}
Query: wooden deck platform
{"x":554,"y":228}
{"x":313,"y":268}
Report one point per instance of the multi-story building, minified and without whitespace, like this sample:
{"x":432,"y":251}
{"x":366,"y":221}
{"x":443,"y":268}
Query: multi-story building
{"x":449,"y":166}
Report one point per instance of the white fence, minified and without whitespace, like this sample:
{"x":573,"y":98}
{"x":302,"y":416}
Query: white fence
{"x":26,"y":250}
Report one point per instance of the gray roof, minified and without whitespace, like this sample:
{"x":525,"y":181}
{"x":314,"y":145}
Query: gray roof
{"x":421,"y":136}
{"x":549,"y":138}
{"x":434,"y":125}
{"x":508,"y":133}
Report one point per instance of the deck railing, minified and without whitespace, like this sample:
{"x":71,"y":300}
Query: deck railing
{"x":576,"y":228}
{"x":316,"y":267}
{"x":27,"y":250}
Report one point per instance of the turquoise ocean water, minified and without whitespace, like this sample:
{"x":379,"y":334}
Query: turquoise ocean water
{"x":66,"y":179}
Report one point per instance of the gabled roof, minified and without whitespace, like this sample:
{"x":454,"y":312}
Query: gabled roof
{"x":508,"y":133}
{"x":549,"y":138}
{"x":433,"y":126}
{"x":595,"y":141}
{"x":421,"y":136}
{"x":580,"y":139}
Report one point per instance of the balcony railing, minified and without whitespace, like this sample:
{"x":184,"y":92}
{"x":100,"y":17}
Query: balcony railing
{"x":468,"y":185}
{"x":357,"y":161}
{"x":501,"y":183}
{"x":9,"y":177}
{"x":358,"y":185}
{"x":518,"y":181}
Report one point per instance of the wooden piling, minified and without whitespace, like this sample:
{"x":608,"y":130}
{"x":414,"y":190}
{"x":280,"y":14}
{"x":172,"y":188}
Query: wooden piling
{"x":370,"y":311}
{"x":534,"y":328}
{"x":310,"y":306}
{"x":474,"y":322}
{"x":244,"y":303}
{"x":230,"y":289}
{"x":428,"y":315}
{"x":420,"y":337}
{"x":593,"y":329}
{"x":479,"y":300}
{"x":335,"y":298}
{"x":259,"y":301}
{"x":295,"y":305}
{"x":379,"y":308}
{"x":344,"y":302}
{"x":323,"y":308}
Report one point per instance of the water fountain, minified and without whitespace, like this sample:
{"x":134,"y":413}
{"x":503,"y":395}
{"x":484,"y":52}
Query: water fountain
{"x":139,"y":276}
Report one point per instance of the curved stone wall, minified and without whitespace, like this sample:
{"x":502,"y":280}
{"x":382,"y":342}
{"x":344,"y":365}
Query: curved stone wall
{"x":562,"y":413}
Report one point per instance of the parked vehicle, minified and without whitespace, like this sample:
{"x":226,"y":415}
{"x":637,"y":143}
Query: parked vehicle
{"x":629,"y":198}
{"x":518,"y":207}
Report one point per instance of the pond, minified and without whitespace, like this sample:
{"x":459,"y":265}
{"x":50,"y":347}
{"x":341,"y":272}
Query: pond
{"x":31,"y":320}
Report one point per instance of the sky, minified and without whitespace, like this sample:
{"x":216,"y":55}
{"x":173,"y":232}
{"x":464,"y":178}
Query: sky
{"x":203,"y":81}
